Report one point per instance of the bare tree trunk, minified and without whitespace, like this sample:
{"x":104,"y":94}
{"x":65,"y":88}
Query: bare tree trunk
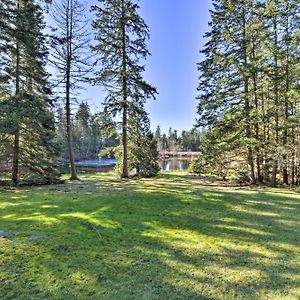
{"x":266,"y":133}
{"x":124,"y":100}
{"x":70,"y":136}
{"x":293,"y":158}
{"x":276,"y":103}
{"x":257,"y":149}
{"x":286,"y":99}
{"x":68,"y":92}
{"x":124,"y":144}
{"x":294,"y":151}
{"x":247,"y":103}
{"x":16,"y":149}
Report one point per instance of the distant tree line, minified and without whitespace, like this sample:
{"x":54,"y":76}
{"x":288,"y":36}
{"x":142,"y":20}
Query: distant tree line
{"x":91,"y":133}
{"x":187,"y":141}
{"x":249,"y":91}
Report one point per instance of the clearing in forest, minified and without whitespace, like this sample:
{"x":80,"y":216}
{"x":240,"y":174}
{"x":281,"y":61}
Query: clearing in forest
{"x":166,"y":238}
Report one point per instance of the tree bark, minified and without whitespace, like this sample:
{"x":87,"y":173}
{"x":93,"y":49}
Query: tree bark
{"x":124,"y":100}
{"x":16,"y":149}
{"x":257,"y":149}
{"x":276,"y":103}
{"x":247,"y":103}
{"x":285,"y":175}
{"x":68,"y":93}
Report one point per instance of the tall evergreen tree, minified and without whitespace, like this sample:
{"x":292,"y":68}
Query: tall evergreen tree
{"x":27,"y":122}
{"x":121,"y":36}
{"x":82,"y":130}
{"x":142,"y":146}
{"x":248,"y":86}
{"x":70,"y":57}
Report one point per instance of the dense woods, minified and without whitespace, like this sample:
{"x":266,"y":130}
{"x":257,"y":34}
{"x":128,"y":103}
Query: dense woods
{"x":249,"y":91}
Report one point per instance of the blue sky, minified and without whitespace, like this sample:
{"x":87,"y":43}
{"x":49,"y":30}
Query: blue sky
{"x":177,"y":28}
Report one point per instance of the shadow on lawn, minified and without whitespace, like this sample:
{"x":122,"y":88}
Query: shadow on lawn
{"x":163,"y":239}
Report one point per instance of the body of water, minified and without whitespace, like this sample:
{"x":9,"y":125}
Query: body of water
{"x":91,"y":166}
{"x":108,"y":165}
{"x":175,"y":164}
{"x":96,"y":163}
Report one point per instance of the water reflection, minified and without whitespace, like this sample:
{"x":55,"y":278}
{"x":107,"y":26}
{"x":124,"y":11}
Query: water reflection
{"x":91,"y":166}
{"x":108,"y":165}
{"x":175,"y":164}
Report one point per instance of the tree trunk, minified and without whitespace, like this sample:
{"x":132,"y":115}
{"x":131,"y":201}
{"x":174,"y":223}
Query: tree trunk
{"x":68,"y":92}
{"x":294,"y":147}
{"x":257,"y":149}
{"x":124,"y":144}
{"x":70,"y":135}
{"x":124,"y":100}
{"x":276,"y":103}
{"x":286,"y":99}
{"x":293,"y":164}
{"x":247,"y":102}
{"x":16,"y":149}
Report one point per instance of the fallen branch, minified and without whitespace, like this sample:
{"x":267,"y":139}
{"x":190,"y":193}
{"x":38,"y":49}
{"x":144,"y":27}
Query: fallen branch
{"x":93,"y":227}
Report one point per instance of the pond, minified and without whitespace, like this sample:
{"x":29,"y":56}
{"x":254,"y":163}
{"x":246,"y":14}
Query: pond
{"x":108,"y":165}
{"x":96,"y":165}
{"x":92,"y":166}
{"x":175,"y":164}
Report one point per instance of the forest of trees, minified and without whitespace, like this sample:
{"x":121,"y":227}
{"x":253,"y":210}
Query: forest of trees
{"x":91,"y":133}
{"x":38,"y":123}
{"x":249,"y":91}
{"x":248,"y":111}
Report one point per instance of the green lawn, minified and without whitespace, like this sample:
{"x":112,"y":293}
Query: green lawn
{"x":165,"y":238}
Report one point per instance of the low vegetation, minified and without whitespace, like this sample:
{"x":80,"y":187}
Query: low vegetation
{"x":174,"y":237}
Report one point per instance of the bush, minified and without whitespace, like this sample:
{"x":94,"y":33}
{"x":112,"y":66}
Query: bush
{"x":195,"y":167}
{"x":239,"y":177}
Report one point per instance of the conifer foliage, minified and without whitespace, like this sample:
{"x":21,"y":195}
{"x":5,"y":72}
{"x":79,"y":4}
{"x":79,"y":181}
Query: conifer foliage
{"x":249,"y":90}
{"x":27,"y":126}
{"x":121,"y":36}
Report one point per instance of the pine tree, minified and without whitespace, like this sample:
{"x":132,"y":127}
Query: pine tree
{"x":27,"y":121}
{"x":248,"y":87}
{"x":158,"y":137}
{"x":142,"y":147}
{"x":70,"y":57}
{"x":82,"y":131}
{"x":121,"y":36}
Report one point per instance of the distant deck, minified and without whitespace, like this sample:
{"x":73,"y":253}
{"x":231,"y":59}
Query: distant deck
{"x":168,"y":154}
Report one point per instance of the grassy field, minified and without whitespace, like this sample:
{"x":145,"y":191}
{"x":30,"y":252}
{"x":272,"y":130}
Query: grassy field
{"x":167,"y":238}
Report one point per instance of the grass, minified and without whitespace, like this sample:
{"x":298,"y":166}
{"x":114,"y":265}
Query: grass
{"x":167,"y":238}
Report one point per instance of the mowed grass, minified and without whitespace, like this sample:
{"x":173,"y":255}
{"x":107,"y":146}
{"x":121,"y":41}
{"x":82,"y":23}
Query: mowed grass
{"x":166,"y":238}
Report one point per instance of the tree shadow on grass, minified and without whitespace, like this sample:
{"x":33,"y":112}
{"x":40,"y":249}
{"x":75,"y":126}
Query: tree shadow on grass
{"x":160,"y":239}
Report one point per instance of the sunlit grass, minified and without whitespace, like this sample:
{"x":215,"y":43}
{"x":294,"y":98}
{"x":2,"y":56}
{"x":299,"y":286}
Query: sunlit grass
{"x":167,"y":238}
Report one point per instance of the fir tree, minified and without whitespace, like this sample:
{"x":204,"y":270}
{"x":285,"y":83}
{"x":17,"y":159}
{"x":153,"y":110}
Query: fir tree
{"x":121,"y":36}
{"x":27,"y":121}
{"x":142,"y":146}
{"x":248,"y":87}
{"x":70,"y":57}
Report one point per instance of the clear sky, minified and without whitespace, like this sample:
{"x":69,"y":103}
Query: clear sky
{"x":177,"y":28}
